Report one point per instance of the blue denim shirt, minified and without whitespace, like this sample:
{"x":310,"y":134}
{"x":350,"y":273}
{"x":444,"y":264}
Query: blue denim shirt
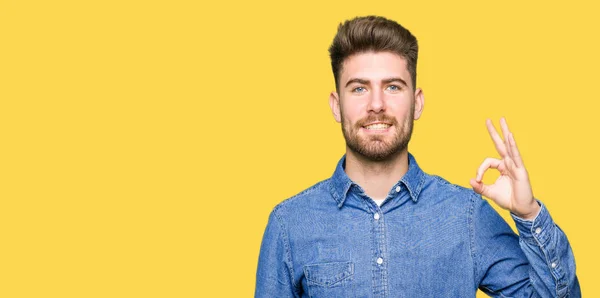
{"x":429,"y":238}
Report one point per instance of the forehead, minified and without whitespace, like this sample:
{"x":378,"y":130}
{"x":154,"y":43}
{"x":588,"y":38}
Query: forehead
{"x":374,"y":66}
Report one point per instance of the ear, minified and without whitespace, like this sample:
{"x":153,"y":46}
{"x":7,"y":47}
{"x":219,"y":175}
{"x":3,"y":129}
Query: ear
{"x":419,"y":103}
{"x":334,"y":104}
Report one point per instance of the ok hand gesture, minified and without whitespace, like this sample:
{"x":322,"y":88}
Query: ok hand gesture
{"x":512,"y":190}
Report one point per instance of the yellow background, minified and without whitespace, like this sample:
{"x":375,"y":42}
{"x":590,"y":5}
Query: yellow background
{"x":144,"y":143}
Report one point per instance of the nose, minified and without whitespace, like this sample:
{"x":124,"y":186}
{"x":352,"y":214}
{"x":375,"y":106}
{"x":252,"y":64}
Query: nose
{"x":376,"y":102}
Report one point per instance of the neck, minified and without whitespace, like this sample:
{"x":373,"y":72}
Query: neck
{"x":376,"y":178}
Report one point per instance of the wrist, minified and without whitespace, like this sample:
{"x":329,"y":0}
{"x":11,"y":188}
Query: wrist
{"x":531,"y":212}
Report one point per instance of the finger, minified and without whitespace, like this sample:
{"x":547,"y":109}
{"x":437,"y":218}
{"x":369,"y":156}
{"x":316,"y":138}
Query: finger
{"x":516,"y":155}
{"x":506,"y":132}
{"x":489,"y":162}
{"x":478,"y":187}
{"x":496,"y":138}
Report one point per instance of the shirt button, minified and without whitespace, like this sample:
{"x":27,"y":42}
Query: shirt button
{"x":538,"y":230}
{"x":398,"y":188}
{"x":376,"y":216}
{"x":553,"y":265}
{"x":379,"y":261}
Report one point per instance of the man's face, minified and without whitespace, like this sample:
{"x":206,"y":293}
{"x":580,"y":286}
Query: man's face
{"x":376,"y":104}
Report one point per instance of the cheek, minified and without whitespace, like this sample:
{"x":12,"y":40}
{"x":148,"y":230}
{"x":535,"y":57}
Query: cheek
{"x":350,"y":114}
{"x":401,"y":109}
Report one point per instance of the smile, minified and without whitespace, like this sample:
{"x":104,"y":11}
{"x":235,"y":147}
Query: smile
{"x":378,"y":126}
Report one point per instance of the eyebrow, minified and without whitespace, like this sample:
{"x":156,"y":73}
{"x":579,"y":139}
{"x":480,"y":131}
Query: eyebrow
{"x":385,"y":81}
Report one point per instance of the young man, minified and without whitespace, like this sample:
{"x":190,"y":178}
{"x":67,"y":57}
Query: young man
{"x":381,"y":227}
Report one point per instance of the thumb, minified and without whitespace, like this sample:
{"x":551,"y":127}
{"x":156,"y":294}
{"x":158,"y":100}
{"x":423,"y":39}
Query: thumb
{"x":478,"y":187}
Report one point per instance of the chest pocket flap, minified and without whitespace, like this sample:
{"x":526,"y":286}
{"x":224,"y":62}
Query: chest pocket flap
{"x":329,"y":274}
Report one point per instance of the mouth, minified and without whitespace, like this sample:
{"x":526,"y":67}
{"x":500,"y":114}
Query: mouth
{"x":378,"y":126}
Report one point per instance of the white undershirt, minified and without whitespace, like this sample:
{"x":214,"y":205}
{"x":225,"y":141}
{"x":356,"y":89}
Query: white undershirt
{"x":379,"y":202}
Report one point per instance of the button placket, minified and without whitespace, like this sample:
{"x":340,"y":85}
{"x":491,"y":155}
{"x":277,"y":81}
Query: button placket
{"x":379,"y":249}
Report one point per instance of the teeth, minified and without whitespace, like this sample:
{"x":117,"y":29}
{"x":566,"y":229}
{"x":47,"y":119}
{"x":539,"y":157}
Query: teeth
{"x":378,"y":126}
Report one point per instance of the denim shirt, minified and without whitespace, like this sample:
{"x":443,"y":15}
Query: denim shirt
{"x":429,"y":238}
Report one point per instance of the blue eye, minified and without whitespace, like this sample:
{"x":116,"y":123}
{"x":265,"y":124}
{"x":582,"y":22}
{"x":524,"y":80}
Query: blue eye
{"x":393,"y":88}
{"x":359,"y":89}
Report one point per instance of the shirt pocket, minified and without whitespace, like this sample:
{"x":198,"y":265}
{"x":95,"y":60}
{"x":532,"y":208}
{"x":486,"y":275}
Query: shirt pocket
{"x":330,"y":279}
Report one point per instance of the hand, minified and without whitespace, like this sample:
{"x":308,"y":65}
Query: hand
{"x":512,"y":190}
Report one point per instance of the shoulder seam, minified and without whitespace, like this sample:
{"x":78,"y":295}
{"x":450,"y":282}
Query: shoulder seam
{"x":286,"y":243}
{"x":472,"y":238}
{"x":302,"y":193}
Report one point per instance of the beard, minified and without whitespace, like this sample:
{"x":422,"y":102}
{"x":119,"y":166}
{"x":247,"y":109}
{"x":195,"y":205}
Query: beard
{"x":376,"y":147}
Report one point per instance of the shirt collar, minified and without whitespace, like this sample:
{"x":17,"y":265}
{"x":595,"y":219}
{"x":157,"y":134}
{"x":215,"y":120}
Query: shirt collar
{"x":341,"y":183}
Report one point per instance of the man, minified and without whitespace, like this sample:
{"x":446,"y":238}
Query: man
{"x":381,"y":227}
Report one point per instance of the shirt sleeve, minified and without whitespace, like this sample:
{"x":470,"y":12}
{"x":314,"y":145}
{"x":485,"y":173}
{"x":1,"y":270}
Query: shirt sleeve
{"x":509,"y":265}
{"x":274,"y":273}
{"x":548,"y":251}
